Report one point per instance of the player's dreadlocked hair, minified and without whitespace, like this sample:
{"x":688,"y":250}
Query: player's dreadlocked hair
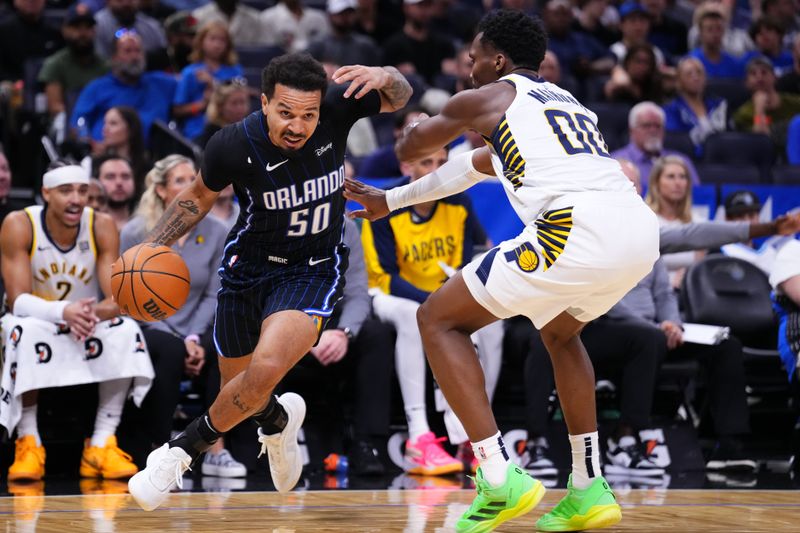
{"x":299,"y":71}
{"x":519,"y":36}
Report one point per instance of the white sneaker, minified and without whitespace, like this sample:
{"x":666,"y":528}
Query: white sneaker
{"x":164,"y":471}
{"x":285,"y":460}
{"x":222,"y":464}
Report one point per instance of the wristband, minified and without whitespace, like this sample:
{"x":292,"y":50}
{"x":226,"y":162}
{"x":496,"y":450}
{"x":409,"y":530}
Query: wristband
{"x":27,"y":304}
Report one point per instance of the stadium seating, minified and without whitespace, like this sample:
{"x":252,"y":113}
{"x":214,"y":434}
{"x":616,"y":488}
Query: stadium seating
{"x":740,"y":148}
{"x":719,"y":174}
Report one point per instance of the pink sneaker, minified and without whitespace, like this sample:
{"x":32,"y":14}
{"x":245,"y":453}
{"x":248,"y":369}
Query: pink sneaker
{"x":467,"y":456}
{"x":427,"y":457}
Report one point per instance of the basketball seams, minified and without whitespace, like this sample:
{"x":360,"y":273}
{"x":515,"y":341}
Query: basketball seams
{"x":133,"y":292}
{"x":152,"y":292}
{"x":162,"y":273}
{"x":119,"y":289}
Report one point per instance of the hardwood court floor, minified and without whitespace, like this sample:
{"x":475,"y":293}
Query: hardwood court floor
{"x":408,"y":511}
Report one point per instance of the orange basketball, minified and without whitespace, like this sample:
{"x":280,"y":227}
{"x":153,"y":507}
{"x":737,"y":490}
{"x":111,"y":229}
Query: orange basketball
{"x":150,"y":282}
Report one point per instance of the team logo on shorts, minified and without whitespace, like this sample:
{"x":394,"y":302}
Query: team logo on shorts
{"x":116,"y":321}
{"x":524,"y":256}
{"x":16,"y":335}
{"x":12,"y":370}
{"x":44,"y":352}
{"x":139,"y":346}
{"x":93,"y":347}
{"x":62,"y":329}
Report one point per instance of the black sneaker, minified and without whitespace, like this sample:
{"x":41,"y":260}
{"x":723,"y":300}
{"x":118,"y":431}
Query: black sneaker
{"x":365,"y":459}
{"x":629,"y":457}
{"x":728,"y":455}
{"x":534,"y":460}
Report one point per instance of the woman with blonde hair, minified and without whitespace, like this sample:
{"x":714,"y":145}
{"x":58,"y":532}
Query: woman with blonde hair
{"x":183,"y":343}
{"x":213,"y":60}
{"x":229,"y":103}
{"x":669,"y":194}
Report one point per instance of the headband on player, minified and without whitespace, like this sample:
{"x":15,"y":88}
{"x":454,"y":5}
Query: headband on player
{"x":63,"y":175}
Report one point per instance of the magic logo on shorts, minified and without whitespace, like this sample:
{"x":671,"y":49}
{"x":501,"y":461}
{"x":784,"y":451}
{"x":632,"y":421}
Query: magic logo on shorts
{"x":524,"y":256}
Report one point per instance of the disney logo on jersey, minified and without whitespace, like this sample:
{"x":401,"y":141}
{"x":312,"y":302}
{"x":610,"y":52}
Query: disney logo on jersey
{"x":320,"y":151}
{"x":304,"y":192}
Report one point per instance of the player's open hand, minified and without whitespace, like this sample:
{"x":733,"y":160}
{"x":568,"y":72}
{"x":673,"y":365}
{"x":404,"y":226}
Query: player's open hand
{"x":367,"y":78}
{"x":372,"y":198}
{"x":81,"y":318}
{"x":788,"y":224}
{"x":195,"y":358}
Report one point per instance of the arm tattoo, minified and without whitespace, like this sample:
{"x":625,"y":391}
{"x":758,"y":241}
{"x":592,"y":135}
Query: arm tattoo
{"x":397,"y":90}
{"x":178,"y":218}
{"x":240,"y":404}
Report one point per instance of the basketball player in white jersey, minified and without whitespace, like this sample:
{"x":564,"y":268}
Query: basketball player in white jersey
{"x":56,"y":260}
{"x":589,"y":238}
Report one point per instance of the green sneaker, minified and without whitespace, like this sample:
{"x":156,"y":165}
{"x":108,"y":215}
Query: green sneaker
{"x":493,"y":506}
{"x":592,"y":508}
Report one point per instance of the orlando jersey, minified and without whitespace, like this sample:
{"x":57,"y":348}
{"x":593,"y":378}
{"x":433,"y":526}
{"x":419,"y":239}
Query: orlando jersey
{"x":402,"y":251}
{"x":547,"y":145}
{"x":63,"y":274}
{"x":292,"y":206}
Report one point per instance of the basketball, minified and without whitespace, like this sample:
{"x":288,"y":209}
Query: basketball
{"x":150,"y":282}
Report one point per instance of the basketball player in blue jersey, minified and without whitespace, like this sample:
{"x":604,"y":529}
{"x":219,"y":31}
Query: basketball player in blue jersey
{"x":283,"y":264}
{"x":589,"y":238}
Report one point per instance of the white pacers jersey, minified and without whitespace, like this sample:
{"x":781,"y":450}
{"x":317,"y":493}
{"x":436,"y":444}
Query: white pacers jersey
{"x":63,"y":274}
{"x":548,"y":145}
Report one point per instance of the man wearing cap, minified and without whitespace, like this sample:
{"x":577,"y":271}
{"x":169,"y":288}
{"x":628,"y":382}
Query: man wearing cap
{"x":635,"y":27}
{"x":25,"y":34}
{"x":72,"y":68}
{"x":56,"y":260}
{"x":343,"y":46}
{"x":768,"y":110}
{"x":180,"y":29}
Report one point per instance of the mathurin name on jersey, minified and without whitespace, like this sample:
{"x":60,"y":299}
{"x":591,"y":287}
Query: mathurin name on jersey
{"x":312,"y":190}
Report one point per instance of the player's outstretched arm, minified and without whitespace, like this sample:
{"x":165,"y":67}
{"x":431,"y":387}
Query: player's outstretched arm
{"x":455,"y":176}
{"x":107,"y":240}
{"x":188,"y":208}
{"x":392,"y":86}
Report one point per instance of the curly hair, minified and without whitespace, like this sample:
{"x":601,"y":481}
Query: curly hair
{"x":299,"y":71}
{"x":519,"y":36}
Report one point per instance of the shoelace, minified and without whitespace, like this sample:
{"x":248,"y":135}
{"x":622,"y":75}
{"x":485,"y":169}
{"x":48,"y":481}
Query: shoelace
{"x":434,"y":448}
{"x":181,"y":465}
{"x":263,"y":439}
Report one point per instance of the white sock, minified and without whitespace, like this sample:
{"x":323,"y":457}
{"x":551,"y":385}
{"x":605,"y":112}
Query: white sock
{"x":417,"y":421}
{"x":585,"y":459}
{"x":111,"y":400}
{"x":27,"y":424}
{"x":493,"y":459}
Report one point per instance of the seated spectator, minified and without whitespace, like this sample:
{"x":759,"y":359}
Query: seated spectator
{"x":666,"y":32}
{"x":25,"y":34}
{"x":635,"y":27}
{"x":122,"y":137}
{"x":214,"y":61}
{"x":229,"y":103}
{"x":116,"y":176}
{"x":785,"y":281}
{"x":383,"y":163}
{"x":669,"y":194}
{"x":734,"y":41}
{"x":7,"y":205}
{"x":416,"y":49}
{"x":343,"y":46}
{"x":157,"y":9}
{"x":718,"y":62}
{"x":379,"y":20}
{"x":461,"y":78}
{"x":225,"y":208}
{"x":767,"y":33}
{"x":589,"y":19}
{"x":182,"y":343}
{"x":410,"y":254}
{"x":180,"y":29}
{"x":70,"y":69}
{"x":580,"y":54}
{"x":244,"y":22}
{"x":293,"y":26}
{"x":744,"y":206}
{"x":693,"y":111}
{"x":637,"y":79}
{"x":97,"y":198}
{"x":768,"y":110}
{"x":57,"y":315}
{"x":790,"y":81}
{"x":125,"y":15}
{"x":352,"y":351}
{"x":149,"y":93}
{"x":646,"y":126}
{"x":786,"y":12}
